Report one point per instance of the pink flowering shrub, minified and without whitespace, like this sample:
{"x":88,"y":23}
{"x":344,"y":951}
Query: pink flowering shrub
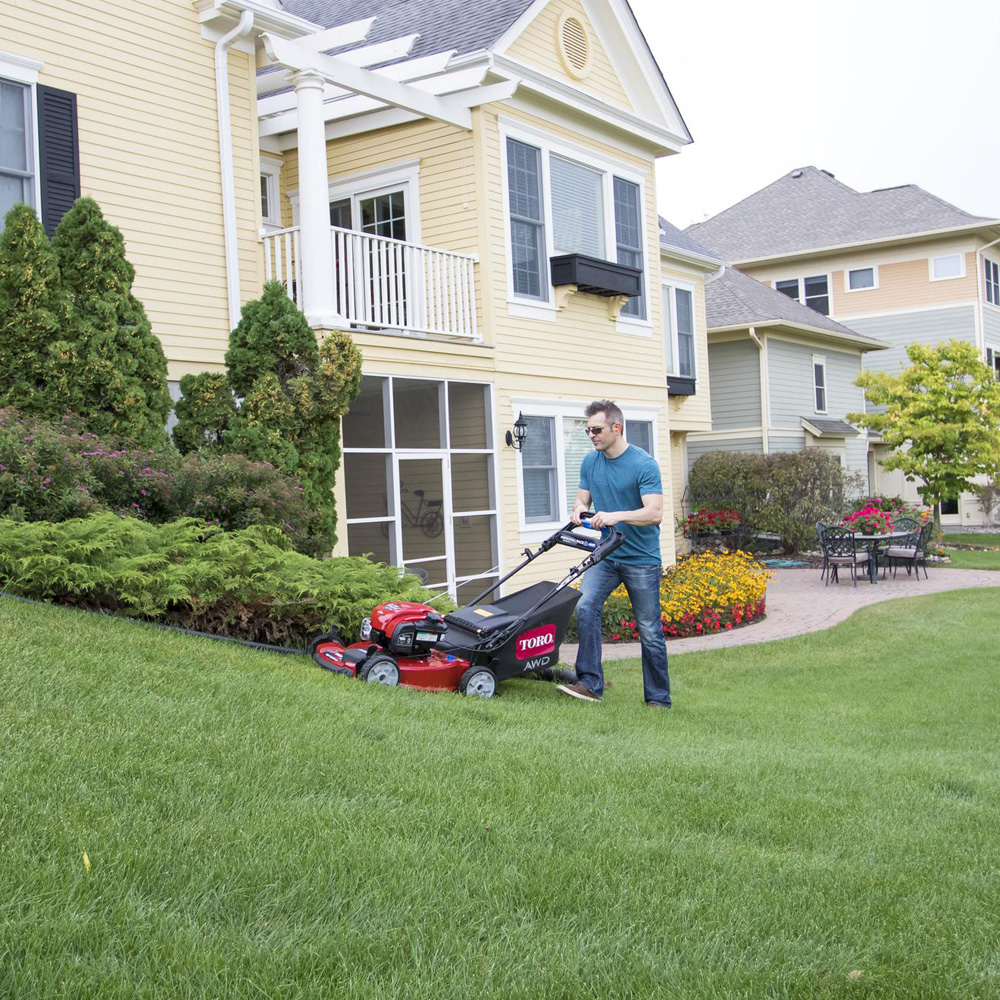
{"x":56,"y":470}
{"x":868,"y":521}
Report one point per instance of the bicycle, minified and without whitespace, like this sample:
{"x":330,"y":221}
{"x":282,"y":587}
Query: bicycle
{"x":428,"y":515}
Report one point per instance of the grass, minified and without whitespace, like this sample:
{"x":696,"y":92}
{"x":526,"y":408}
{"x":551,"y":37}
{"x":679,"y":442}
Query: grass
{"x":815,"y":818}
{"x":970,"y":558}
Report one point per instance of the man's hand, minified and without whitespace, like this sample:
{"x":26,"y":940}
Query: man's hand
{"x":605,"y":519}
{"x":579,"y":510}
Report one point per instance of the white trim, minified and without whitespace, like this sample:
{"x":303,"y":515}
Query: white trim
{"x":946,"y":256}
{"x":848,"y":271}
{"x":737,"y":434}
{"x":820,"y":360}
{"x":670,"y":284}
{"x":609,"y":169}
{"x":20,"y":69}
{"x":270,"y":168}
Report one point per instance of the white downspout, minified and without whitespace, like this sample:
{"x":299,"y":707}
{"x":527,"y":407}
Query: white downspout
{"x":981,"y":332}
{"x":222,"y":47}
{"x":765,"y":388}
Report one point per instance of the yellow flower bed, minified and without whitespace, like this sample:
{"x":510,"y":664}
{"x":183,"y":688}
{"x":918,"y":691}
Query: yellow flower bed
{"x":705,"y":593}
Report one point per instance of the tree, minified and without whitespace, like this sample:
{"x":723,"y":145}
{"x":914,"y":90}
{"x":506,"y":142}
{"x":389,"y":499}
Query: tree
{"x":121,"y":386}
{"x":34,"y":318}
{"x":281,"y":400}
{"x":941,"y":417}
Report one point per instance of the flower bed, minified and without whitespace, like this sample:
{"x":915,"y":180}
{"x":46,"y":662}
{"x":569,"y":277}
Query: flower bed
{"x":701,"y":522}
{"x":704,"y":593}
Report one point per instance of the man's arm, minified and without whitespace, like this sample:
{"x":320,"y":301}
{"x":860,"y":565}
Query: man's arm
{"x":582,"y":504}
{"x":651,"y":512}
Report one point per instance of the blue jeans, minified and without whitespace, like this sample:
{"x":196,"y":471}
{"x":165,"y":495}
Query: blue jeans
{"x":643,"y":586}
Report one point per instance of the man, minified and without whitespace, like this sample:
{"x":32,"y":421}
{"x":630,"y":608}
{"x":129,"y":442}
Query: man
{"x":624,"y":484}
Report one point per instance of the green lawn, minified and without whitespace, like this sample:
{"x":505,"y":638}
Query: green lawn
{"x":815,"y":818}
{"x":971,"y":559}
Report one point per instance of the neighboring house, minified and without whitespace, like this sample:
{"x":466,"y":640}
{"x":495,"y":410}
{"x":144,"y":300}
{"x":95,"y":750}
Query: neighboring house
{"x":466,"y":185}
{"x":782,"y":375}
{"x":896,"y":264}
{"x":685,"y":267}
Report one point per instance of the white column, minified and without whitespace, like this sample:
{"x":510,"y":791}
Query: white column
{"x":316,"y":245}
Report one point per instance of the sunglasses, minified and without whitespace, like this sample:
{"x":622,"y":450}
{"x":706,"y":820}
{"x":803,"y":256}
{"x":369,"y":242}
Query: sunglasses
{"x":594,"y":430}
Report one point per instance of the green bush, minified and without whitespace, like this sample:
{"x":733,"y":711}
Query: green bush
{"x":247,"y":584}
{"x":292,"y":394}
{"x":54,"y":470}
{"x":784,"y":493}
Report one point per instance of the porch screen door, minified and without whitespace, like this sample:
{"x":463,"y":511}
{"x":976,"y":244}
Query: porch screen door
{"x":423,"y":519}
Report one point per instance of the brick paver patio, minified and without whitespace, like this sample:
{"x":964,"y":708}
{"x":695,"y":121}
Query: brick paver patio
{"x":798,"y":602}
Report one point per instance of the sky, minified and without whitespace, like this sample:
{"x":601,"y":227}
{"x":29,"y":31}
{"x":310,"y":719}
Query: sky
{"x":878,"y":92}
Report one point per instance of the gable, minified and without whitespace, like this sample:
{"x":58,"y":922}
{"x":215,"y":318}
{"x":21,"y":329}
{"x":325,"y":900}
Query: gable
{"x":554,"y":42}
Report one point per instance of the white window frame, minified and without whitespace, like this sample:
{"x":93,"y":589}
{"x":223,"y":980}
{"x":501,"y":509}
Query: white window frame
{"x":801,"y":279}
{"x":404,"y":176}
{"x":819,"y":359}
{"x":20,"y":69}
{"x":535,"y":531}
{"x":849,"y":271}
{"x":670,"y":303}
{"x":995,"y":265}
{"x":270,"y":172}
{"x":532,"y":308}
{"x":946,"y":256}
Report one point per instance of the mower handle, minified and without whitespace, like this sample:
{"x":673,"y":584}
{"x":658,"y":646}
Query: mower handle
{"x":600,"y":548}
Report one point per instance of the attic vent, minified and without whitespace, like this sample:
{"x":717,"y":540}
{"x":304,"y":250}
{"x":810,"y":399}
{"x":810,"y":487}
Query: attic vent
{"x":574,"y":45}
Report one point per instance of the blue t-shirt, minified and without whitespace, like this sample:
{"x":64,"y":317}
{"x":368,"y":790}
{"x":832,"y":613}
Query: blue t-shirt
{"x":619,"y":484}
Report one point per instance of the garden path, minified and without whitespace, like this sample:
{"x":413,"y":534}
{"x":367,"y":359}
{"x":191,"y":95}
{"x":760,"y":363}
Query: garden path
{"x":799,"y":602}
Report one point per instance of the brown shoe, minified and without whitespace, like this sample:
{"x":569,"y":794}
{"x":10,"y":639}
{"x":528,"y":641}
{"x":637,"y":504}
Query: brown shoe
{"x":578,"y":690}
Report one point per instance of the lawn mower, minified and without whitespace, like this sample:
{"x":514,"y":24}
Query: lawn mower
{"x":470,"y":650}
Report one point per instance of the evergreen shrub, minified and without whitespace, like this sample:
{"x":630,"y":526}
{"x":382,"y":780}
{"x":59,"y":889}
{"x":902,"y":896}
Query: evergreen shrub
{"x":55,"y":470}
{"x":246,"y":584}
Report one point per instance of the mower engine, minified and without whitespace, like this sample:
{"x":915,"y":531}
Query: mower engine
{"x":406,"y":628}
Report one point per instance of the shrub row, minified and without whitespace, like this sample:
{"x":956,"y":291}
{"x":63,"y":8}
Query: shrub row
{"x":247,"y":584}
{"x":783,"y":493}
{"x":702,"y":594}
{"x":55,"y":470}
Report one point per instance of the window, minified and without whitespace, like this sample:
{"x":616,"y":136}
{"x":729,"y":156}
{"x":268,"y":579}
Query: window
{"x":993,"y":360}
{"x":992,"y":274}
{"x":17,"y":158}
{"x":819,"y":383}
{"x":628,"y":234}
{"x":270,"y":189}
{"x":556,"y":444}
{"x":678,"y":330}
{"x":813,"y":292}
{"x":949,"y":266}
{"x":562,"y":202}
{"x":527,"y":228}
{"x":577,"y":208}
{"x":861,"y":278}
{"x":538,"y":470}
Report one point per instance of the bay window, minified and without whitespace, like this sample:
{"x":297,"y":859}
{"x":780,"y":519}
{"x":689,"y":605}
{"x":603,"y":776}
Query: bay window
{"x":568,"y":202}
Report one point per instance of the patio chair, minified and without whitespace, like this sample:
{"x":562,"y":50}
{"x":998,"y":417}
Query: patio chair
{"x":842,"y":549}
{"x":905,"y":523}
{"x":912,"y":551}
{"x":820,"y":528}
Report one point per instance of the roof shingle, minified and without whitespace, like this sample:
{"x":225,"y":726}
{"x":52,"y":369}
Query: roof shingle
{"x":809,"y":209}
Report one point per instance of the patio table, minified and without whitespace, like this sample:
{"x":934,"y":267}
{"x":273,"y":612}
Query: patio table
{"x":873,"y":544}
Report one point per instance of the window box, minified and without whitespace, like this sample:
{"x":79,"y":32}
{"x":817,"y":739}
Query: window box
{"x":599,"y":277}
{"x":679,"y":385}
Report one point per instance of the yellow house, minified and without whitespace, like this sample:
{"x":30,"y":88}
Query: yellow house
{"x":897,"y":265}
{"x":467,"y":187}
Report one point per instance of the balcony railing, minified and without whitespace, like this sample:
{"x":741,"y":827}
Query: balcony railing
{"x":387,"y":284}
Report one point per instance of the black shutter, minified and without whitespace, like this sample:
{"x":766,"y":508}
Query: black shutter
{"x":59,"y":154}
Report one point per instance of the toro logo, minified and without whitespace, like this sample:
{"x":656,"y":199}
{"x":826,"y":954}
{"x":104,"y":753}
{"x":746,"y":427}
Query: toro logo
{"x":537,"y":641}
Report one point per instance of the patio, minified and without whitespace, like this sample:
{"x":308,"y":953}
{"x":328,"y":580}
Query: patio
{"x":799,"y":602}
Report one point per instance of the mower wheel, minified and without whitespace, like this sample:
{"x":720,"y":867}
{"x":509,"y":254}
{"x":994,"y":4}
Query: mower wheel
{"x":479,"y":682}
{"x":332,"y":636}
{"x":380,"y":669}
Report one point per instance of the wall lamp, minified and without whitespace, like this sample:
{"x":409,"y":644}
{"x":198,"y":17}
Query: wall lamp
{"x":517,"y":439}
